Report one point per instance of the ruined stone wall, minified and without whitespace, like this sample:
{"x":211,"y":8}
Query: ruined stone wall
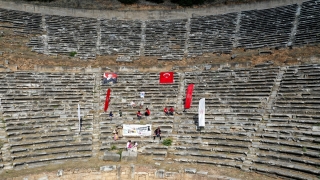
{"x":117,"y":172}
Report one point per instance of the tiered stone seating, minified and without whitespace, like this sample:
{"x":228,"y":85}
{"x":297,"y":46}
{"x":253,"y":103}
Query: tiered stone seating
{"x":212,"y":34}
{"x":120,"y":37}
{"x":126,"y":90}
{"x":289,"y":135}
{"x":68,"y":34}
{"x":299,"y":90}
{"x":2,"y":139}
{"x":165,"y":38}
{"x":268,"y":27}
{"x":169,"y":39}
{"x":22,"y":22}
{"x":233,"y":90}
{"x":234,"y":102}
{"x":40,"y":113}
{"x":308,"y":27}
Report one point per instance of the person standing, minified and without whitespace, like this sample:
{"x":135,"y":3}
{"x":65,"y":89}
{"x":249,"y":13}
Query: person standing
{"x":115,"y":135}
{"x":111,"y":115}
{"x":129,"y":145}
{"x":120,"y":113}
{"x":157,"y":133}
{"x":142,"y":94}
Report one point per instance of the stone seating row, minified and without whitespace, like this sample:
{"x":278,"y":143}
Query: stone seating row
{"x":46,"y":160}
{"x":120,"y":37}
{"x":277,"y":144}
{"x":283,"y":172}
{"x":24,"y":22}
{"x":39,"y":128}
{"x":170,"y":36}
{"x":308,"y":24}
{"x":287,"y":164}
{"x":52,"y":147}
{"x":298,"y":90}
{"x":268,"y":27}
{"x":211,"y":33}
{"x":273,"y":29}
{"x":69,"y":34}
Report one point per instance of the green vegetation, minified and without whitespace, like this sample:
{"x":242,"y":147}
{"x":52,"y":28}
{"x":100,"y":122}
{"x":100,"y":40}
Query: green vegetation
{"x":113,"y":147}
{"x":128,"y":1}
{"x":73,"y":53}
{"x":304,"y":149}
{"x":120,"y":152}
{"x":167,"y":142}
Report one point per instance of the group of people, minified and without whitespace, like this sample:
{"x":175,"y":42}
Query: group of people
{"x":111,"y":114}
{"x":139,"y":115}
{"x":133,"y":104}
{"x":132,"y":146}
{"x":146,"y":113}
{"x":168,"y":112}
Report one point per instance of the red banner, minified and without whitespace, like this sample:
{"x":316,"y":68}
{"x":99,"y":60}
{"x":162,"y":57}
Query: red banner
{"x":166,"y":78}
{"x":106,"y":103}
{"x":188,"y":99}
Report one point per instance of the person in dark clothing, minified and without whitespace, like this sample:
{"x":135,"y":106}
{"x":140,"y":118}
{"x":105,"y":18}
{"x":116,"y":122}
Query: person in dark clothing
{"x":111,"y":115}
{"x":157,"y":133}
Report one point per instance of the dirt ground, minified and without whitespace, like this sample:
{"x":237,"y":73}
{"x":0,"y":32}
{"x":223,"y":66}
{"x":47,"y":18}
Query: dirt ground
{"x":143,"y":164}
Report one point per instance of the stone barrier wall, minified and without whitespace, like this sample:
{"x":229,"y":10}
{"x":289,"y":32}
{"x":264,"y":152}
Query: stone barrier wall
{"x":144,"y":15}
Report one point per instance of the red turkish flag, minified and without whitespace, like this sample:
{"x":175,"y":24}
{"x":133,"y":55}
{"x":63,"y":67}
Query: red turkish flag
{"x":166,"y":77}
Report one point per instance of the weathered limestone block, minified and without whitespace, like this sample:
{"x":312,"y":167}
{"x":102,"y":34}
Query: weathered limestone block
{"x":129,"y":156}
{"x":124,"y":59}
{"x":108,"y":168}
{"x":202,"y":175}
{"x":315,"y":128}
{"x":160,"y":174}
{"x":111,"y":156}
{"x":190,"y":173}
{"x":60,"y":173}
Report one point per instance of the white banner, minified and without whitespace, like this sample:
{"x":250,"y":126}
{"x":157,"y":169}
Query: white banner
{"x":202,"y":112}
{"x":79,"y":118}
{"x":136,"y":130}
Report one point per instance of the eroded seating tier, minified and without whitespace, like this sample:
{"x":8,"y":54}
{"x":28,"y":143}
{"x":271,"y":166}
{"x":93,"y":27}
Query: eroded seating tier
{"x":168,"y":39}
